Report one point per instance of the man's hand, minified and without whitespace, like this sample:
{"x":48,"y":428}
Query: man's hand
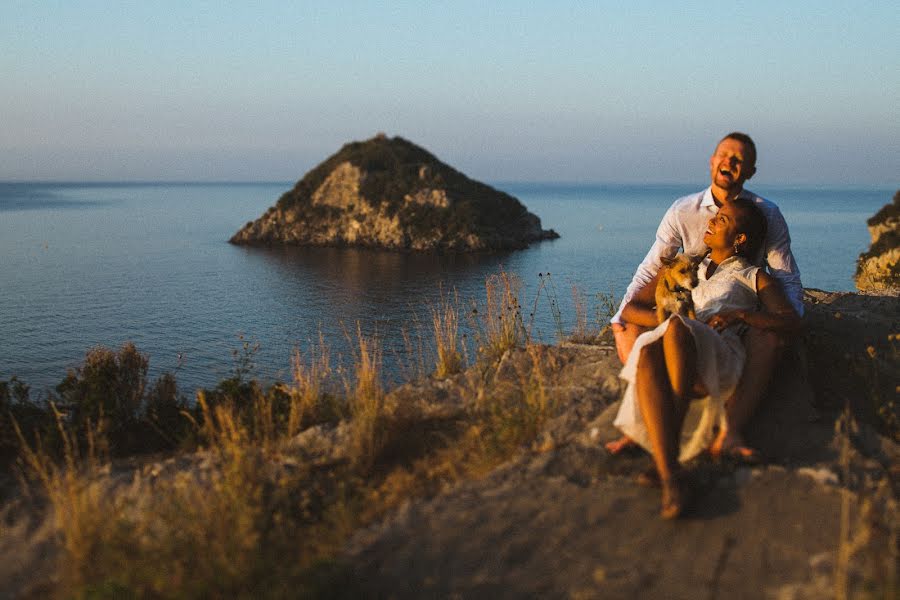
{"x":725,"y":319}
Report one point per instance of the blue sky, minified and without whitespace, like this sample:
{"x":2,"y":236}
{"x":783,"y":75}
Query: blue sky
{"x":538,"y":91}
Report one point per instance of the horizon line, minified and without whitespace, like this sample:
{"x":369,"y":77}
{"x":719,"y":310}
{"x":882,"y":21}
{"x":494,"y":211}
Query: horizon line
{"x":537,"y":182}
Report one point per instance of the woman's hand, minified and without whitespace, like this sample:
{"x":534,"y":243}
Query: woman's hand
{"x":722,"y":321}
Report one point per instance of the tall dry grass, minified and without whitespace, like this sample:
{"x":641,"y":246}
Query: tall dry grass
{"x":509,"y":419}
{"x":311,"y":398}
{"x":365,"y":398}
{"x":445,"y":324}
{"x":232,"y":521}
{"x":595,"y":329}
{"x":77,"y":502}
{"x":499,"y":326}
{"x":242,"y":518}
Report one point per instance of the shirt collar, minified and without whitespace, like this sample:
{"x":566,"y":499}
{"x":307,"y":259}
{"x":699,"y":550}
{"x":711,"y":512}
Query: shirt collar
{"x":731,"y":263}
{"x":709,"y":202}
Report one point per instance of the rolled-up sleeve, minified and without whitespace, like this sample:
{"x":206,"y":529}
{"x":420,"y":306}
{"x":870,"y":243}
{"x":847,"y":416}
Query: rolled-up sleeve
{"x":780,"y":259}
{"x":668,"y":241}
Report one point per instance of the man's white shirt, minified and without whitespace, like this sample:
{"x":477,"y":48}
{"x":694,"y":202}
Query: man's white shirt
{"x":684,"y":225}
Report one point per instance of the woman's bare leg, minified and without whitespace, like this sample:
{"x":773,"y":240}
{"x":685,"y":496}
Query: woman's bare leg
{"x":657,"y":404}
{"x":679,"y":365}
{"x":681,"y":358}
{"x":625,"y":335}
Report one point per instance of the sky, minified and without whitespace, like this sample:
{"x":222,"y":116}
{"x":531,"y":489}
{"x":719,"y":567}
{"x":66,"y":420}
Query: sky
{"x":627,"y":92}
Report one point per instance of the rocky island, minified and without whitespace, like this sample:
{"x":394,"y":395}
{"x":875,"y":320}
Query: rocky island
{"x":390,"y":193}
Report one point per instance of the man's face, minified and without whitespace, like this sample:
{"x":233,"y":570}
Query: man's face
{"x":730,"y":166}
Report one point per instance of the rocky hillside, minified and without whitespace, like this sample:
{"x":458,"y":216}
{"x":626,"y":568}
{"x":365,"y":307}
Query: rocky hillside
{"x":878,"y":269}
{"x":567,"y":520}
{"x":390,"y":193}
{"x":564,"y":519}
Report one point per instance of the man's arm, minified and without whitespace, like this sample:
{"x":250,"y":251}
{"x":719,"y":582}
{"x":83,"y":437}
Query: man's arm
{"x":781,"y":261}
{"x":668,"y":241}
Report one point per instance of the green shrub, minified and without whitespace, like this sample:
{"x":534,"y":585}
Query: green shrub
{"x":111,"y":387}
{"x":16,"y":406}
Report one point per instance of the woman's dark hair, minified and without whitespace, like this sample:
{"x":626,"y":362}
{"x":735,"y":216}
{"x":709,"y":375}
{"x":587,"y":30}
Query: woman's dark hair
{"x":751,"y":222}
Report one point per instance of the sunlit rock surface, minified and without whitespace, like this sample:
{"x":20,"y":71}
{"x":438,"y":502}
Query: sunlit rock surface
{"x":878,"y":269}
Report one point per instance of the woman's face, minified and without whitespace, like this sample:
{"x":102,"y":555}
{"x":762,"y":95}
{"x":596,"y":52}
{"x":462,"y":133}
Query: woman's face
{"x":722,"y":229}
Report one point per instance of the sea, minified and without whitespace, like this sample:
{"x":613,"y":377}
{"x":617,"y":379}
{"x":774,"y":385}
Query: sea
{"x":102,"y":264}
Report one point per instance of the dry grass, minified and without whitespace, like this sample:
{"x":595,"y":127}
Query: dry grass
{"x":416,"y":361}
{"x":241,"y":522}
{"x":501,"y":424}
{"x":445,"y":324}
{"x":309,"y":393}
{"x":592,"y":330}
{"x":231,"y":525}
{"x":510,"y":418}
{"x":243,"y":518}
{"x":499,"y":326}
{"x":69,"y":486}
{"x":365,"y":398}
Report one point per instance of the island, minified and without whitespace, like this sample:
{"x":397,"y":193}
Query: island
{"x":390,"y":193}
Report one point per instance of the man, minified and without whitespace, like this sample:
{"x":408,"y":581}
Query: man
{"x":732,"y":163}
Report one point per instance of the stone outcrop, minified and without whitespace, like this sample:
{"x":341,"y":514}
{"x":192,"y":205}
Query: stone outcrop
{"x":563,"y":518}
{"x":566,"y":519}
{"x":878,"y":269}
{"x":390,"y":193}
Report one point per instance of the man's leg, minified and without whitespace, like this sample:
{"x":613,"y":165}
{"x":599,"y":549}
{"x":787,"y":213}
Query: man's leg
{"x":764,"y":349}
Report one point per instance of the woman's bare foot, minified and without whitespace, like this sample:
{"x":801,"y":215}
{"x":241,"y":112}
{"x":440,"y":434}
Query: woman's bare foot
{"x":648,"y":478}
{"x":676,"y":495}
{"x":730,"y":444}
{"x":620,"y":445}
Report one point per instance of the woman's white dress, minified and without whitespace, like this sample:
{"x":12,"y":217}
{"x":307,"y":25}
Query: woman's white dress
{"x":720,"y":356}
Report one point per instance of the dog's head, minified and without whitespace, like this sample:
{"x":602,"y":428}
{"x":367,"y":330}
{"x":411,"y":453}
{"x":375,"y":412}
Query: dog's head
{"x":681,"y":270}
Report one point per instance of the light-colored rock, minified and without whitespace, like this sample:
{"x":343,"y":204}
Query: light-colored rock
{"x":878,"y":269}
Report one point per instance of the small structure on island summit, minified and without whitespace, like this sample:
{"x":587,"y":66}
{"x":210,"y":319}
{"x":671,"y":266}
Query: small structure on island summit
{"x":390,"y":193}
{"x":878,"y":269}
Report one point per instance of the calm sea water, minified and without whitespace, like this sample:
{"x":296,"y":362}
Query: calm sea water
{"x":100,"y":264}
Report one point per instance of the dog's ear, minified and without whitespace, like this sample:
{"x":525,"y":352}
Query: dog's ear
{"x":666,"y":260}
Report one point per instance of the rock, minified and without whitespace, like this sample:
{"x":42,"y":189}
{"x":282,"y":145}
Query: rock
{"x":563,"y":518}
{"x":853,"y":359}
{"x":390,"y":193}
{"x":878,"y":269}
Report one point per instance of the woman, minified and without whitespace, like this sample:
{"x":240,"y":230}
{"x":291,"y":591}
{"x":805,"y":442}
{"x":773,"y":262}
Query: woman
{"x":683,"y":359}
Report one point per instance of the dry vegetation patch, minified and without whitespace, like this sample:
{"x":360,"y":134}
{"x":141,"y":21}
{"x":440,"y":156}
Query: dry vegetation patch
{"x":273,"y":481}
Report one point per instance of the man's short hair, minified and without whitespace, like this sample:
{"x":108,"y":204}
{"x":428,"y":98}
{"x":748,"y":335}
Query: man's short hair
{"x":744,"y":139}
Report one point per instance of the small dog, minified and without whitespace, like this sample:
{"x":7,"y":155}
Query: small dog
{"x":673,"y":292}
